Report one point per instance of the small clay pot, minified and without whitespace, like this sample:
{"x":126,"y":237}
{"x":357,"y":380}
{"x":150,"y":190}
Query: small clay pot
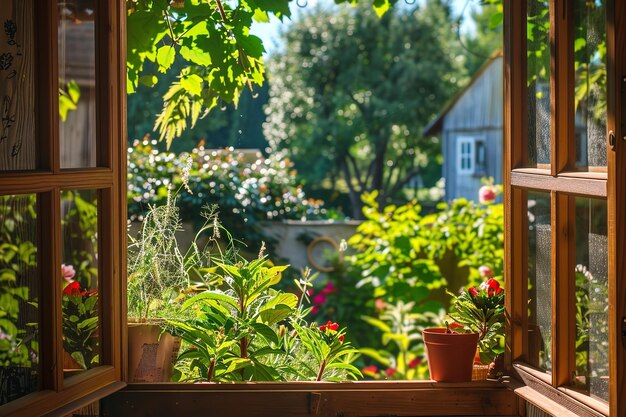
{"x":450,"y":355}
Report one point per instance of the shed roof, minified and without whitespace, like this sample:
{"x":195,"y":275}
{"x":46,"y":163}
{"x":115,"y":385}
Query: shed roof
{"x":436,"y":124}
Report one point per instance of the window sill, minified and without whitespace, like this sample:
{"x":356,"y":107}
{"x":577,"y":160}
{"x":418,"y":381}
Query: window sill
{"x":561,"y":401}
{"x":371,"y":398}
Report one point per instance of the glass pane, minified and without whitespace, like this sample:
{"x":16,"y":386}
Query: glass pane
{"x":79,"y":224}
{"x":77,"y":83}
{"x":538,"y":67}
{"x":17,"y":86}
{"x":539,"y":281}
{"x":592,"y":320}
{"x":590,"y":84}
{"x":19,"y":297}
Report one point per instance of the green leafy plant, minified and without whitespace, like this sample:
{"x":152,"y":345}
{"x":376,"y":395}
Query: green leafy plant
{"x":481,"y":310}
{"x":18,"y":262}
{"x":403,"y":349}
{"x":242,"y":328}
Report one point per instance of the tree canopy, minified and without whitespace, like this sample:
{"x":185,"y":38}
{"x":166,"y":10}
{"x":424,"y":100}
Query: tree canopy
{"x":213,"y":41}
{"x":352,"y":92}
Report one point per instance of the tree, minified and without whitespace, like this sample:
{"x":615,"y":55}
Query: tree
{"x":488,"y":36}
{"x":212,"y":37}
{"x":352,"y":92}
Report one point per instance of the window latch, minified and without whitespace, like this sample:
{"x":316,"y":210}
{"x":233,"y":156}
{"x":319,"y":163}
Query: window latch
{"x":612,"y":140}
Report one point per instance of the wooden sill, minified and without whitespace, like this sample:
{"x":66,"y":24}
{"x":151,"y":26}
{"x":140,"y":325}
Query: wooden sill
{"x":362,"y":398}
{"x":534,"y":387}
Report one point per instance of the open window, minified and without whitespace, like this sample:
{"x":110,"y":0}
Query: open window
{"x":563,"y":166}
{"x":62,"y":204}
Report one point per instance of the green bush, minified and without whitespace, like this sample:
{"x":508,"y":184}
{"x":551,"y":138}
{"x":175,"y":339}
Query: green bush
{"x":247,"y":187}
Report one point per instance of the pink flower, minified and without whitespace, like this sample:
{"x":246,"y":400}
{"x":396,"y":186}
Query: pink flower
{"x":486,"y":194}
{"x":485,"y":271}
{"x":329,"y":288}
{"x":379,"y":304}
{"x":390,"y":371}
{"x":315,"y":309}
{"x":68,"y":272}
{"x":319,"y":299}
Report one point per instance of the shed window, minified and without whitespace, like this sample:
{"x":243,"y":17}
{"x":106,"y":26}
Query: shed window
{"x":471,"y":156}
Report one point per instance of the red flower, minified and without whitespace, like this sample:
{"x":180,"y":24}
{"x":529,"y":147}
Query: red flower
{"x":486,"y":194}
{"x":415,"y":362}
{"x":390,"y":371}
{"x":341,"y":338}
{"x":473,"y":291}
{"x":73,"y":288}
{"x":330,"y":326}
{"x":370,"y":370}
{"x":455,"y":325}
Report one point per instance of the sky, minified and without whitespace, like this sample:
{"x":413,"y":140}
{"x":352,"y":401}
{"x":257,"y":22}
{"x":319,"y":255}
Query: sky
{"x":270,"y":32}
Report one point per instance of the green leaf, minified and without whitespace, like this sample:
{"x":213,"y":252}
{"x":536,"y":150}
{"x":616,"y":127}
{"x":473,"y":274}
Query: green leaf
{"x":265,"y":331}
{"x":193,"y":84}
{"x":210,"y":295}
{"x":376,"y":355}
{"x":148,"y":80}
{"x":165,"y":57}
{"x":274,"y":315}
{"x":196,"y":55}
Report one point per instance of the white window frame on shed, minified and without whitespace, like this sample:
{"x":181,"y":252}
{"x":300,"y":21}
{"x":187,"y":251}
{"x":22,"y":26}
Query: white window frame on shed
{"x":465,"y":155}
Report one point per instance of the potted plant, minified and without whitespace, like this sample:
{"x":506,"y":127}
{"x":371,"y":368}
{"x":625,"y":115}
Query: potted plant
{"x":80,"y":323}
{"x":156,"y":278}
{"x":481,"y":310}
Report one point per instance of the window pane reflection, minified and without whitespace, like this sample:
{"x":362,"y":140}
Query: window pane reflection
{"x":539,"y":281}
{"x":19,"y":297}
{"x":592,"y":325}
{"x":80,"y":280}
{"x":538,"y":70}
{"x":590,"y":83}
{"x":77,"y":83}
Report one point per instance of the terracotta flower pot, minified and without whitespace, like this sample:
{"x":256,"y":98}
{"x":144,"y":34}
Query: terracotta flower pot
{"x":151,"y":353}
{"x":450,"y":355}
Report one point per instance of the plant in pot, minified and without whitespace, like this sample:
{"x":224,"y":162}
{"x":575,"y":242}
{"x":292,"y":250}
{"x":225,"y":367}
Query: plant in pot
{"x":244,"y":329}
{"x":157,"y":277}
{"x":480,"y":310}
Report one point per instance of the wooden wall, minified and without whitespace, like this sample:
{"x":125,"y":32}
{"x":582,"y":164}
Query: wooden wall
{"x":476,"y":113}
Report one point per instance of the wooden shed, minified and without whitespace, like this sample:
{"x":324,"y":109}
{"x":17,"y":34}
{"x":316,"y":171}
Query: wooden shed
{"x":470,"y":126}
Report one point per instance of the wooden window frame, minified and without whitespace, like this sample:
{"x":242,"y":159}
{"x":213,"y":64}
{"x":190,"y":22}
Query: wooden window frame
{"x":58,"y":395}
{"x":562,"y":181}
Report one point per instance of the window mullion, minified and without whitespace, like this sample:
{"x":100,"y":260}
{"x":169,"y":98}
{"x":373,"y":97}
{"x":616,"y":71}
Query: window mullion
{"x":562,"y":87}
{"x":563,"y":248}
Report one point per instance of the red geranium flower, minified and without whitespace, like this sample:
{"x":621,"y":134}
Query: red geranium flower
{"x":390,"y":371}
{"x":473,"y":291}
{"x":73,"y":288}
{"x":341,"y":338}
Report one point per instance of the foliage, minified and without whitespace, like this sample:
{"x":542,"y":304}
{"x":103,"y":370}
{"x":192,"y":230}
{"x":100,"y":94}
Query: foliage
{"x":591,"y":348}
{"x":247,"y":187}
{"x":156,"y":267}
{"x":487,"y":38}
{"x":354,"y":91}
{"x":18,"y":261}
{"x":481,"y":310}
{"x":221,"y":57}
{"x":403,"y":349}
{"x":239,"y":126}
{"x":80,"y":323}
{"x":391,"y":254}
{"x":243,"y":329}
